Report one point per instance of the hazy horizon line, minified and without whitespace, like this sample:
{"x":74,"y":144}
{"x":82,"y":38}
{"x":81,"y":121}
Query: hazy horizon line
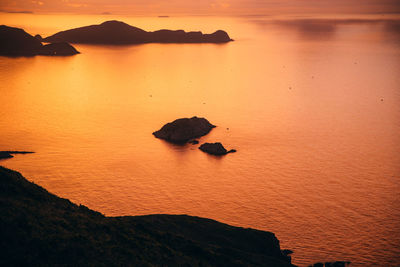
{"x":181,"y":14}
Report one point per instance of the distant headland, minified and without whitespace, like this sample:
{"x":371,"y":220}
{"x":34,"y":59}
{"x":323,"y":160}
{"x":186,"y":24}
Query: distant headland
{"x":17,"y":42}
{"x":120,"y":33}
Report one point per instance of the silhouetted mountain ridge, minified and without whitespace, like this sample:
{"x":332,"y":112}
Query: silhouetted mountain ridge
{"x":117,"y":32}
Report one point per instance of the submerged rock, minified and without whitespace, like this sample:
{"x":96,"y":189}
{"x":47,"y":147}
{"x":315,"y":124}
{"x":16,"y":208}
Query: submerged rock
{"x":117,"y":32}
{"x":182,"y":130}
{"x":215,"y":149}
{"x":58,"y":49}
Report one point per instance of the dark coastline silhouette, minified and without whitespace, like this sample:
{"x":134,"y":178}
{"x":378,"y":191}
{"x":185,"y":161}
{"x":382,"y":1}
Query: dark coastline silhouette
{"x":120,"y":33}
{"x":17,"y":42}
{"x":183,"y":130}
{"x":38,"y":228}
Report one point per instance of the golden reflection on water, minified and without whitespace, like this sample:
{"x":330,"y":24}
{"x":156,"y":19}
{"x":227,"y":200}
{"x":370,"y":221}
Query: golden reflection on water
{"x":315,"y":119}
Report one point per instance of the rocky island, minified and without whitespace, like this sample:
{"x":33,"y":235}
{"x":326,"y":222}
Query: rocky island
{"x":17,"y":42}
{"x":119,"y":33}
{"x":216,"y":149}
{"x":38,"y":228}
{"x":183,"y":130}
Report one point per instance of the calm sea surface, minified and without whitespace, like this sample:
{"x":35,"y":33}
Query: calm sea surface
{"x":311,"y":104}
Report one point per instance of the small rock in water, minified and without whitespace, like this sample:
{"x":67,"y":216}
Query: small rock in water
{"x":215,"y":149}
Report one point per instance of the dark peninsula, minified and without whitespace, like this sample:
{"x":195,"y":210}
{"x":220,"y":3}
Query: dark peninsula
{"x":38,"y":228}
{"x":120,"y":33}
{"x":183,"y":130}
{"x":8,"y":154}
{"x":17,"y":42}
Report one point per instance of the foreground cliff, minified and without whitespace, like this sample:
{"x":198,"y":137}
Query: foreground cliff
{"x":41,"y":229}
{"x":117,"y":32}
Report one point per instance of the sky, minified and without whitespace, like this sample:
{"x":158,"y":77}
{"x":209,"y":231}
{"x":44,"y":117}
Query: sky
{"x":229,"y":7}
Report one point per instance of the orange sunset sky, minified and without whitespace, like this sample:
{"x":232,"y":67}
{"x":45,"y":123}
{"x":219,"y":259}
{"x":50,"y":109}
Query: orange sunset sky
{"x":201,"y":6}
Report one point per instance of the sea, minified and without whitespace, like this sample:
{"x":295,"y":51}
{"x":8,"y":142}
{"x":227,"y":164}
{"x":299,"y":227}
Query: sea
{"x":311,"y":103}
